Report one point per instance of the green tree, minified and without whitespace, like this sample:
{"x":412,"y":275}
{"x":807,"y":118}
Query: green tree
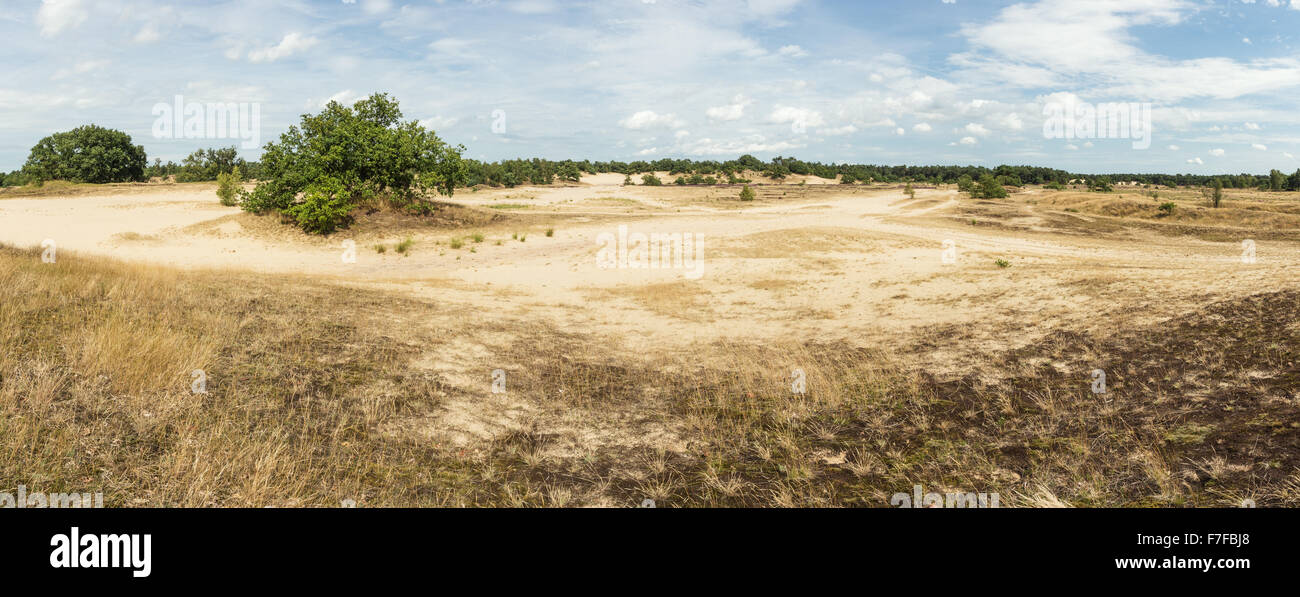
{"x":1216,"y":196}
{"x":989,"y":188}
{"x":909,"y":191}
{"x":343,"y":156}
{"x":89,"y":153}
{"x":1276,"y":180}
{"x":1293,"y":183}
{"x":966,"y":184}
{"x":228,"y":187}
{"x":569,"y":171}
{"x":650,"y":180}
{"x":747,"y":194}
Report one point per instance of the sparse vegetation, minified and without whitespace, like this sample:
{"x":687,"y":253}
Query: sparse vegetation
{"x":746,"y":194}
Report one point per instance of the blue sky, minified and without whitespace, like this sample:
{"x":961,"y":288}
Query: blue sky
{"x":907,"y":82}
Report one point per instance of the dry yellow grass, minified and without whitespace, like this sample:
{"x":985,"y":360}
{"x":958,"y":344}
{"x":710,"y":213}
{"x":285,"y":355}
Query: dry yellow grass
{"x":319,"y":392}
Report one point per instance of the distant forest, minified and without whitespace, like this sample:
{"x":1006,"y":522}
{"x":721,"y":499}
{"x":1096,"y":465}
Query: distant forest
{"x":206,"y":164}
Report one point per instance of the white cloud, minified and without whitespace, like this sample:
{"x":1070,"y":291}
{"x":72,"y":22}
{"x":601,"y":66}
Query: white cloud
{"x":1217,"y":152}
{"x":1259,"y":146}
{"x":291,"y":44}
{"x":732,"y":111}
{"x":1049,"y":42}
{"x":1197,"y":161}
{"x":802,"y":117}
{"x":968,"y":141}
{"x":80,"y":68}
{"x":923,"y":127}
{"x":438,"y":122}
{"x":648,"y":119}
{"x":792,"y":51}
{"x":55,"y":16}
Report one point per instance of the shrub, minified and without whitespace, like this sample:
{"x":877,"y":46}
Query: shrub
{"x":457,"y":243}
{"x":228,"y":187}
{"x":404,"y":247}
{"x":988,"y":188}
{"x":1167,"y":208}
{"x":747,"y":194}
{"x":325,"y":207}
{"x":477,"y":237}
{"x":323,"y":168}
{"x":1002,"y":263}
{"x":550,"y":232}
{"x":90,"y":154}
{"x":909,"y":191}
{"x":651,"y":180}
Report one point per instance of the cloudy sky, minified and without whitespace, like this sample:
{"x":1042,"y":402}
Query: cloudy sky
{"x":899,"y":82}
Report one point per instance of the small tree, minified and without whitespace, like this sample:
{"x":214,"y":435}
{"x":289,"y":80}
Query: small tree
{"x":650,"y":180}
{"x":747,"y":194}
{"x":989,"y":188}
{"x":966,"y":184}
{"x":228,"y":187}
{"x":627,"y":180}
{"x":909,"y":191}
{"x":1216,"y":194}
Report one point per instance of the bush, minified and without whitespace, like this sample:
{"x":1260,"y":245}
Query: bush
{"x":325,"y":207}
{"x":988,"y":188}
{"x":228,"y":187}
{"x":90,"y":154}
{"x":651,"y":180}
{"x":747,"y":194}
{"x":909,"y":191}
{"x":323,"y":168}
{"x":1167,"y":208}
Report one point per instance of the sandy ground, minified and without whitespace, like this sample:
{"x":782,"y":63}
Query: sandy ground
{"x":833,"y":263}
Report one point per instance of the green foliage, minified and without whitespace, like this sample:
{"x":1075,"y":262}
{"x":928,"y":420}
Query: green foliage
{"x":90,"y":154}
{"x":569,"y":172}
{"x":988,"y":188}
{"x":909,"y":191}
{"x":1055,"y":186}
{"x":651,"y":180}
{"x":228,"y":187}
{"x":747,"y":194}
{"x":1100,"y":184}
{"x":325,"y":207}
{"x":404,"y":247}
{"x":966,"y":184}
{"x":323,"y":168}
{"x":1002,"y":263}
{"x":1167,"y":208}
{"x":1216,"y":193}
{"x":1276,"y":180}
